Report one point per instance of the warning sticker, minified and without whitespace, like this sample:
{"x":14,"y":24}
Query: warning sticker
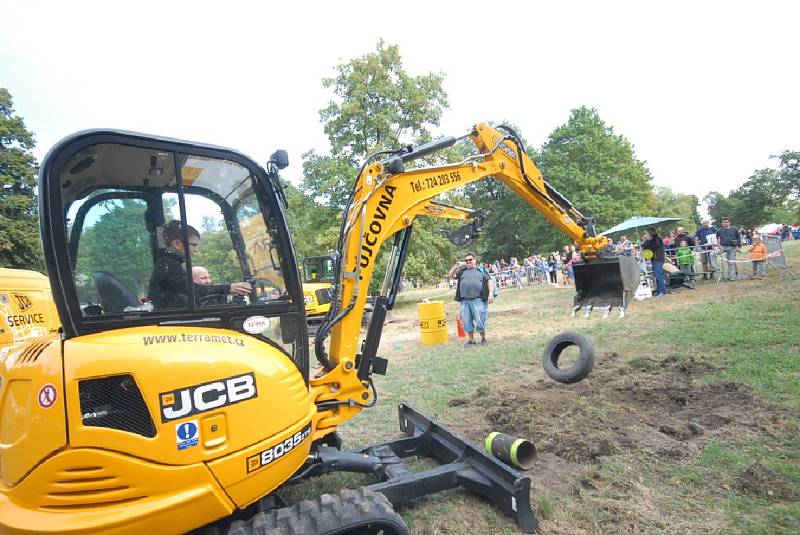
{"x":187,"y":434}
{"x":47,"y":396}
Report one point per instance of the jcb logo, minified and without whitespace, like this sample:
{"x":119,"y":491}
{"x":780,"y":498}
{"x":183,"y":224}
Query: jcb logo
{"x":23,"y":302}
{"x":207,"y":396}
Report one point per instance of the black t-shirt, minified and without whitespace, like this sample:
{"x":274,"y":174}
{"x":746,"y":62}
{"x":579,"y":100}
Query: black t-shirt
{"x":168,"y":283}
{"x":655,"y":244}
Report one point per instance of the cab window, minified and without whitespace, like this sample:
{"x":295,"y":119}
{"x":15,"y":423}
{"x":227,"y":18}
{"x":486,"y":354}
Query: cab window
{"x":133,"y":233}
{"x":113,"y":263}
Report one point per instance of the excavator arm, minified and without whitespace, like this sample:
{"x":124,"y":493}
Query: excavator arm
{"x":386,"y":198}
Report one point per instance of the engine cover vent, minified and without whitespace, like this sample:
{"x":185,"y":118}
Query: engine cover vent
{"x":116,"y":403}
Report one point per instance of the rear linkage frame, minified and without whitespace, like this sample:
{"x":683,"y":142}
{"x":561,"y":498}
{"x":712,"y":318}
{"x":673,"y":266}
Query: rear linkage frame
{"x":461,"y":464}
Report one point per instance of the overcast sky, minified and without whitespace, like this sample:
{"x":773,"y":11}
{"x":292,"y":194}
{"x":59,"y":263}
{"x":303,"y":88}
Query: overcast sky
{"x":705,"y":91}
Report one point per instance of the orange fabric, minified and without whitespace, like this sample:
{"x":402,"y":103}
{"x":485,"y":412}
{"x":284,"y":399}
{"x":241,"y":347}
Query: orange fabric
{"x":758,"y":251}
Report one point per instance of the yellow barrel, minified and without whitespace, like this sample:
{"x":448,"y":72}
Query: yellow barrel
{"x":432,"y":323}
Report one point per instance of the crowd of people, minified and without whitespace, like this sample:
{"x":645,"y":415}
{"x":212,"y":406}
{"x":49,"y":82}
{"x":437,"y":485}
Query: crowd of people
{"x":477,"y":282}
{"x":694,"y":255}
{"x":553,"y":268}
{"x":711,"y":246}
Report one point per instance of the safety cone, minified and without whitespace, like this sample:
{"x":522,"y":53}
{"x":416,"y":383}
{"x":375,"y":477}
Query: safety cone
{"x":461,"y":332}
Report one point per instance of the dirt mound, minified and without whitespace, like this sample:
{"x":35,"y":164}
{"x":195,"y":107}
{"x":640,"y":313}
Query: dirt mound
{"x":653,"y":406}
{"x":759,"y":480}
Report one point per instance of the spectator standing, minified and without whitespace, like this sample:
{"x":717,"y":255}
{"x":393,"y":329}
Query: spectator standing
{"x":706,"y":253}
{"x":655,"y":245}
{"x":729,"y":239}
{"x":474,"y":291}
{"x":575,"y":259}
{"x":743,"y":236}
{"x":682,"y":235}
{"x":551,"y":267}
{"x":684,"y":257}
{"x":758,"y":256}
{"x":624,"y":246}
{"x":670,"y":245}
{"x":566,"y":256}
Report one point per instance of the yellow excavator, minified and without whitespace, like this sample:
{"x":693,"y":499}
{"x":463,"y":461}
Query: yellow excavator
{"x":194,"y":413}
{"x":27,"y":310}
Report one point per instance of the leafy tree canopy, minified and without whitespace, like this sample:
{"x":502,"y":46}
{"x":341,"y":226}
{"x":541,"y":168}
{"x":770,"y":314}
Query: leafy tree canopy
{"x":666,"y":203}
{"x":789,"y":171}
{"x":376,"y":106}
{"x":119,"y":227}
{"x":20,"y":246}
{"x":764,"y":197}
{"x":379,"y":105}
{"x":590,"y":165}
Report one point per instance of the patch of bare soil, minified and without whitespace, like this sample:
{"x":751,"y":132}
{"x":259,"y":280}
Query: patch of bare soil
{"x":658,"y":409}
{"x":759,"y":480}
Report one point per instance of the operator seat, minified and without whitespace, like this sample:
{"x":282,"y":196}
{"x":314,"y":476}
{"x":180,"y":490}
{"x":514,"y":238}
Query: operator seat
{"x":114,"y":296}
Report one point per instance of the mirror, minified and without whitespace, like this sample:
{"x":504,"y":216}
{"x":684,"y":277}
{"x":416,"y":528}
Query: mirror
{"x":280,"y":158}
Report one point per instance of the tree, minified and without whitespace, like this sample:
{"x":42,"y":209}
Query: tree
{"x":20,"y":246}
{"x":119,"y":227}
{"x":789,"y":170}
{"x":310,"y":224}
{"x":666,"y":203}
{"x":753,"y":200}
{"x":379,"y":105}
{"x":376,"y":106}
{"x":719,"y":206}
{"x":590,"y":165}
{"x":216,"y":254}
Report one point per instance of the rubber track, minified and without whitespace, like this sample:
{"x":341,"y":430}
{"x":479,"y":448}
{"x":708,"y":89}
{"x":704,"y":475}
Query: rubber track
{"x":349,"y":511}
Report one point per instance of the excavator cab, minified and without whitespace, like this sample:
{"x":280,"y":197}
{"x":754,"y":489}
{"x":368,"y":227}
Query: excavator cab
{"x":137,"y":220}
{"x":318,"y":269}
{"x":153,"y":410}
{"x":318,"y":274}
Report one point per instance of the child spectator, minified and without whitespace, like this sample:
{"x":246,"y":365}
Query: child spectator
{"x":685,"y":259}
{"x":758,"y":256}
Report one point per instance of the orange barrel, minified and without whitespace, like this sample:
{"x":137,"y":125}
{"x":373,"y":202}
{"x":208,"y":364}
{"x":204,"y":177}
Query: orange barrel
{"x":432,"y":322}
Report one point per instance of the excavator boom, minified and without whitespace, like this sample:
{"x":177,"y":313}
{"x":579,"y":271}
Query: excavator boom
{"x":386,"y":194}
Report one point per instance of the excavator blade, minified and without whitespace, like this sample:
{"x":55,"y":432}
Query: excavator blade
{"x":606,"y":282}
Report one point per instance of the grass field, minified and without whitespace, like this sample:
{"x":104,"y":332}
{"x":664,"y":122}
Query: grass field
{"x":688,"y":423}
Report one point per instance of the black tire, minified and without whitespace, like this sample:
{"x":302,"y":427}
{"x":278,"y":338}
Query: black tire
{"x":358,"y":511}
{"x":577,"y":372}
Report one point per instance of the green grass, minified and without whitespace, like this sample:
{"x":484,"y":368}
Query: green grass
{"x":747,"y":332}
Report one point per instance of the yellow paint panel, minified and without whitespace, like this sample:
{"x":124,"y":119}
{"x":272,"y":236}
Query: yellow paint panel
{"x":95,"y":491}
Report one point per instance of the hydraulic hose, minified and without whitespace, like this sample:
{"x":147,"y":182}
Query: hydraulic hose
{"x":329,"y":322}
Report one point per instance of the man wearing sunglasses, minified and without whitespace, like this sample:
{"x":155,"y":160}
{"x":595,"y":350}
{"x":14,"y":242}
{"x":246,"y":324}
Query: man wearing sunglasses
{"x":474,"y":290}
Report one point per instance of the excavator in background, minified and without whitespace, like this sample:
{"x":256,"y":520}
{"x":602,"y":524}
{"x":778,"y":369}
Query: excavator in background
{"x":317,"y":282}
{"x":195,"y":416}
{"x":27,"y":310}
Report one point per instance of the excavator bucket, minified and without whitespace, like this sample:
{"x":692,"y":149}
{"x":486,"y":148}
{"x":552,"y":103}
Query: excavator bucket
{"x":606,"y":282}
